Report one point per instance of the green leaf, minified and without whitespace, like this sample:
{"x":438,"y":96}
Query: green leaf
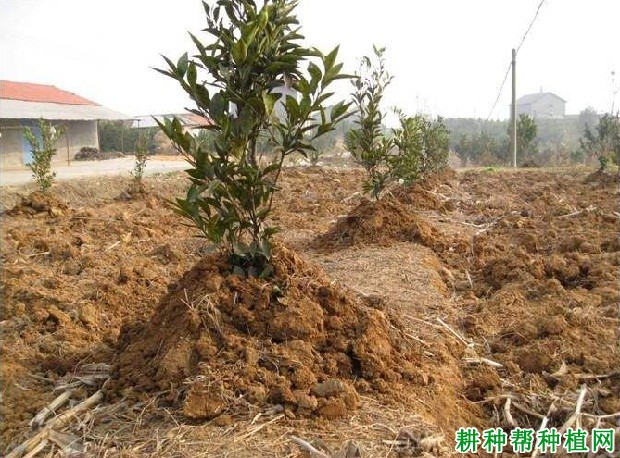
{"x":249,"y":33}
{"x":217,"y":106}
{"x":315,"y":73}
{"x":245,"y":122}
{"x":240,"y":52}
{"x":269,"y":101}
{"x":338,"y":110}
{"x":269,"y":231}
{"x":292,"y":108}
{"x":201,"y":48}
{"x":182,"y":65}
{"x":191,"y":75}
{"x":270,"y":169}
{"x":201,"y":96}
{"x":330,"y":59}
{"x":266,"y":248}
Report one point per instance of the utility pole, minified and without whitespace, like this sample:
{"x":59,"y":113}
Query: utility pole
{"x":614,"y":91}
{"x":513,"y":110}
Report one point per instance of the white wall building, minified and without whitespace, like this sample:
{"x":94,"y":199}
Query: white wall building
{"x":544,"y":105}
{"x":23,"y":104}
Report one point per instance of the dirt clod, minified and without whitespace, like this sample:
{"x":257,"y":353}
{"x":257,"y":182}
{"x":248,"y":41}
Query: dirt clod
{"x":38,"y":202}
{"x":331,"y":387}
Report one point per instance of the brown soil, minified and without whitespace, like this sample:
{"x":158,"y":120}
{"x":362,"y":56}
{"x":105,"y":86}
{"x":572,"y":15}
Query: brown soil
{"x":69,"y":281}
{"x":539,"y":286}
{"x":381,"y":222}
{"x":524,"y":265}
{"x":37,"y":203}
{"x":296,"y":340}
{"x":429,"y":193}
{"x":540,"y":283}
{"x":533,"y":260}
{"x":603,"y":178}
{"x":395,"y":218}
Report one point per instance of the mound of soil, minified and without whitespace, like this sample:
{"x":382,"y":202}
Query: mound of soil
{"x":603,"y":178}
{"x":137,"y":191}
{"x":382,"y":222}
{"x":424,"y":195}
{"x":38,"y":203}
{"x":218,"y":341}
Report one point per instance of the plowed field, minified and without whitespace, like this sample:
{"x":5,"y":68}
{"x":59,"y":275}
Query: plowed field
{"x":474,"y":298}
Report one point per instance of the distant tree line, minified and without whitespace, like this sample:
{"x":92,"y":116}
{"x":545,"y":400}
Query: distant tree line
{"x":117,"y":136}
{"x":541,"y":142}
{"x":585,"y":138}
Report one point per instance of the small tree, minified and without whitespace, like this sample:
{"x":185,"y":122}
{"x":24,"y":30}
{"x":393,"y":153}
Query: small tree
{"x":367,"y":143}
{"x":139,"y":167}
{"x":464,"y":149}
{"x":436,"y":139}
{"x":254,"y":48}
{"x":587,"y":117}
{"x":603,"y":141}
{"x":406,"y":162}
{"x":527,"y":131}
{"x":422,"y":146}
{"x":117,"y":136}
{"x":42,"y":153}
{"x":417,"y":147}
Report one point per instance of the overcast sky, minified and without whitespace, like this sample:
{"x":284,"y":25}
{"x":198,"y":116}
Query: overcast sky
{"x":448,"y":57}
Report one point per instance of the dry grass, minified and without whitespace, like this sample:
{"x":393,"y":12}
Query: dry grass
{"x":156,"y":432}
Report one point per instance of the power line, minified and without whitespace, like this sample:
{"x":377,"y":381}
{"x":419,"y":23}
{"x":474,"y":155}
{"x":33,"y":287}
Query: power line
{"x":501,"y":88}
{"x":542,"y":2}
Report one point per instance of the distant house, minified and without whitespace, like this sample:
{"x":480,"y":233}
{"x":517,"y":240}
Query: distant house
{"x":188,"y":120}
{"x":23,"y":104}
{"x":544,"y":105}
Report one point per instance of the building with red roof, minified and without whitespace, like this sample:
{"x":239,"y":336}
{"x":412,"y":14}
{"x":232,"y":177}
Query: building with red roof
{"x":23,"y":104}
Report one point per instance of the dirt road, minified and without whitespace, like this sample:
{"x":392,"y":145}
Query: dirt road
{"x":84,"y":169}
